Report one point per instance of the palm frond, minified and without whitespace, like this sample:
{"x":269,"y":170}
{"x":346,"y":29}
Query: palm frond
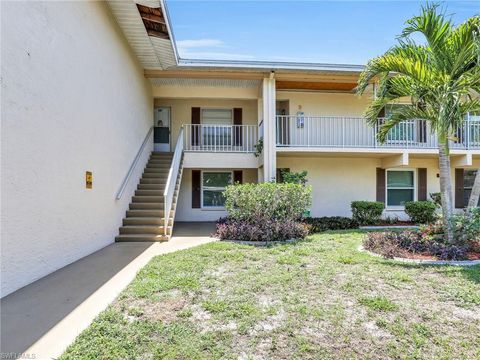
{"x":401,"y":114}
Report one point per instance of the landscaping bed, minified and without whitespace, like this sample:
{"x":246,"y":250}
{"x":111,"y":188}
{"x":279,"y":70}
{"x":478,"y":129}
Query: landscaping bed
{"x":318,"y":298}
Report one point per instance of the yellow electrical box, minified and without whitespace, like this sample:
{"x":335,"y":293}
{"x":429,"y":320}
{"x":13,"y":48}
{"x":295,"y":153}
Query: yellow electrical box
{"x":88,"y":179}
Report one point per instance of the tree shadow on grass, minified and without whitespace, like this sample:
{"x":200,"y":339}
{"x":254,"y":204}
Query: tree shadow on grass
{"x":471,"y":273}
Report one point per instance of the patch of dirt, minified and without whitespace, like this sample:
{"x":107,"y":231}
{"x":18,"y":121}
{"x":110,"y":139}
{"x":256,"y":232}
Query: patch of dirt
{"x":375,"y":331}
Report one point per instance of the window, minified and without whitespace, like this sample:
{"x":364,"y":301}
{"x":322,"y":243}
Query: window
{"x":400,"y":187}
{"x":216,"y":133}
{"x":213,"y":186}
{"x":468,"y":180}
{"x":404,"y":131}
{"x":474,"y":128}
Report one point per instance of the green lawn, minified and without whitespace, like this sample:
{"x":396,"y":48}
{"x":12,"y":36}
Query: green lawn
{"x":316,"y":299}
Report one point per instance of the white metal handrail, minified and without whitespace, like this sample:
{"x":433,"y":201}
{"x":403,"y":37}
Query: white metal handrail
{"x":220,"y":138}
{"x":351,"y":132}
{"x":133,"y":165}
{"x":171,"y":184}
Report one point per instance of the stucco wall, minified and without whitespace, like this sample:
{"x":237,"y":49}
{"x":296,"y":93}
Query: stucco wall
{"x":181,"y":111}
{"x":338,"y":181}
{"x":73,"y":99}
{"x":325,"y":104}
{"x":184,"y":205}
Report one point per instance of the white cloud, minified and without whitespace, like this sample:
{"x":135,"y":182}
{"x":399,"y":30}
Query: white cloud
{"x":207,"y":49}
{"x":199,"y":43}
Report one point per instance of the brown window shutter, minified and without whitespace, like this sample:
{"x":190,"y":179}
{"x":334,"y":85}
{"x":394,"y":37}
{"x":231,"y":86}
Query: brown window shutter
{"x":196,"y":189}
{"x":422,"y":184}
{"x":237,"y":120}
{"x":195,"y":135}
{"x":459,"y":188}
{"x":238,"y":176}
{"x":381,"y":185}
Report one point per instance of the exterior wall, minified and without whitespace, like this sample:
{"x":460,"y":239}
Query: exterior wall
{"x":181,"y":111}
{"x":325,"y":104}
{"x":184,"y":205}
{"x":338,"y":181}
{"x":73,"y":99}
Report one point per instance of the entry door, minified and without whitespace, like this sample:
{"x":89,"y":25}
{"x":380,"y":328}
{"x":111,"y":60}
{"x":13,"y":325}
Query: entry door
{"x":161,"y":129}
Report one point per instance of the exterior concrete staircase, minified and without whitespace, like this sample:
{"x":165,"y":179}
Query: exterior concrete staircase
{"x":145,"y":219}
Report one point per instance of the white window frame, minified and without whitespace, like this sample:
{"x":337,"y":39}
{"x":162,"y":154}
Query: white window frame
{"x":400,"y":207}
{"x":201,"y":188}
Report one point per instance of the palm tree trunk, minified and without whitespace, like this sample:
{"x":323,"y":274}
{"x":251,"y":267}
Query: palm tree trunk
{"x":446,"y":188}
{"x":475,"y":195}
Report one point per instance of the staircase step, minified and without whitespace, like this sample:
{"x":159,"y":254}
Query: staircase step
{"x":156,"y":181}
{"x":155,"y":170}
{"x":149,"y":192}
{"x":159,"y":163}
{"x":146,"y":206}
{"x":147,"y":199}
{"x":161,"y":175}
{"x":145,"y":221}
{"x":158,"y":187}
{"x":143,"y":237}
{"x":146,"y":213}
{"x":144,"y":229}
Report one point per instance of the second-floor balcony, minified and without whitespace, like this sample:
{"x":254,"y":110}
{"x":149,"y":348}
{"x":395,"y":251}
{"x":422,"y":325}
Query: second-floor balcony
{"x":350,"y":132}
{"x":220,"y":138}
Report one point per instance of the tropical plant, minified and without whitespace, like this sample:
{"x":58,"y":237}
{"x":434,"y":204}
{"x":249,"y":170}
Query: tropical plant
{"x":441,"y":76}
{"x":294,"y":177}
{"x":367,"y":212}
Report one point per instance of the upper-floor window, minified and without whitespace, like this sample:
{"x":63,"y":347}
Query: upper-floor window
{"x":216,"y":127}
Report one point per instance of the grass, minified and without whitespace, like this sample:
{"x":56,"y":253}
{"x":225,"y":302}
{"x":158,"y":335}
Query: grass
{"x":317,"y":299}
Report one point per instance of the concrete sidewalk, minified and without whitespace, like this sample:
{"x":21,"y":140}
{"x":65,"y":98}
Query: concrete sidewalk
{"x":44,"y":317}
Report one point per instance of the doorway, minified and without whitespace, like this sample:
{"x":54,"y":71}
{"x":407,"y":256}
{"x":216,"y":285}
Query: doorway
{"x":161,"y":129}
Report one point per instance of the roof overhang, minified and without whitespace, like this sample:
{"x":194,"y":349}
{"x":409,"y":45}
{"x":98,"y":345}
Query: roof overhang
{"x":147,"y":27}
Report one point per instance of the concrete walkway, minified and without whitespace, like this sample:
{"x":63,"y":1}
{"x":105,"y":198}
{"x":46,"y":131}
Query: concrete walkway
{"x":43,"y":318}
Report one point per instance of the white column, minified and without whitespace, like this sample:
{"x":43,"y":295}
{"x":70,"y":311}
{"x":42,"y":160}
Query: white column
{"x":269,"y":138}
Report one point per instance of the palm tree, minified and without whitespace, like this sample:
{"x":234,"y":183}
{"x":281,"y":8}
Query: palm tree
{"x":441,"y":76}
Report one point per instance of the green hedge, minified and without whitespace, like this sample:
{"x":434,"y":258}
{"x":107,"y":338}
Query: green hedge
{"x":330,"y":223}
{"x":367,"y":212}
{"x":267,"y":201}
{"x":421,"y":212}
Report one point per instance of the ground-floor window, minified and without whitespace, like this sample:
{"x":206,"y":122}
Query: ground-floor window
{"x":213,"y":186}
{"x":468,"y":180}
{"x":400,"y":187}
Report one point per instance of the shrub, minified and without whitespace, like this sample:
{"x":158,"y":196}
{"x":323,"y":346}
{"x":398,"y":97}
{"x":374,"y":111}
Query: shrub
{"x":294,"y":177}
{"x":259,"y":203}
{"x":269,"y":230}
{"x":436,"y":198}
{"x":391,"y":244}
{"x":467,"y":225}
{"x":421,"y":212}
{"x":330,"y":223}
{"x":367,"y":212}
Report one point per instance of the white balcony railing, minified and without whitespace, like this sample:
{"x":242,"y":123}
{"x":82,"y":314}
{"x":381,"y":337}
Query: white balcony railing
{"x":348,"y":132}
{"x":220,"y":138}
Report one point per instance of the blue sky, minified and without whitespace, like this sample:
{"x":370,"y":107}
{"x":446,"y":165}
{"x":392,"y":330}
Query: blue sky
{"x":346,"y":32}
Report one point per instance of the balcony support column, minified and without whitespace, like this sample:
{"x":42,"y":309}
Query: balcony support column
{"x":269,"y":142}
{"x":395,"y":161}
{"x":462,"y":161}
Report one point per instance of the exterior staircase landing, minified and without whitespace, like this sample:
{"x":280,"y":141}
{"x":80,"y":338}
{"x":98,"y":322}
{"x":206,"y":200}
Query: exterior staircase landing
{"x":145,"y":218}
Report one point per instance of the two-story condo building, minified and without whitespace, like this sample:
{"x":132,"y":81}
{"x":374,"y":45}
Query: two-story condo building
{"x":104,"y":128}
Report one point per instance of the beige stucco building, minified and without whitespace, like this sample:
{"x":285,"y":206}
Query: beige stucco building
{"x":96,"y":87}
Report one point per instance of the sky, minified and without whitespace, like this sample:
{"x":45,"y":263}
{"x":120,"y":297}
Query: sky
{"x":341,"y":32}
